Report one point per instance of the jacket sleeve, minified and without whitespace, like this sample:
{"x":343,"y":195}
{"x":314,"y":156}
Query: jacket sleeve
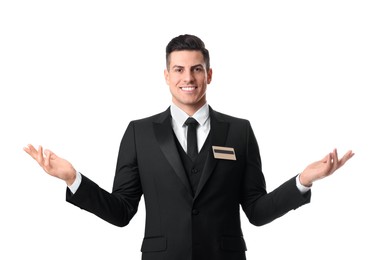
{"x":260,"y":206}
{"x":118,"y":207}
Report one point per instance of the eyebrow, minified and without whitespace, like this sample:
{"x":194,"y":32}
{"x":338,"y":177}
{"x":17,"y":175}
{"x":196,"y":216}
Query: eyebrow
{"x":192,"y":67}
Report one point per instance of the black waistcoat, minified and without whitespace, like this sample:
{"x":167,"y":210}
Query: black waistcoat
{"x":194,"y":169}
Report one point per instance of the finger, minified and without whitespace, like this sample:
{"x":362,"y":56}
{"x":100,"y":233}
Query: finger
{"x":52,"y":155}
{"x":326,"y":159}
{"x":335,"y":160}
{"x":30,"y":150}
{"x":348,"y":155}
{"x":39,"y":156}
{"x":335,"y":154}
{"x":328,"y":162}
{"x":27,"y":150}
{"x":47,"y":158}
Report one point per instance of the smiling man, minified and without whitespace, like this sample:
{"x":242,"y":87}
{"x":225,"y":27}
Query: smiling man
{"x":192,"y":201}
{"x":187,"y":75}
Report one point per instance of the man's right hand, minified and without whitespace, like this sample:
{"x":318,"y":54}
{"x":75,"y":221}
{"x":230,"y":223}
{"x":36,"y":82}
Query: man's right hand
{"x":52,"y":164}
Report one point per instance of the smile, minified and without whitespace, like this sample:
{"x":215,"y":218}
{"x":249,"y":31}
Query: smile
{"x":189,"y":89}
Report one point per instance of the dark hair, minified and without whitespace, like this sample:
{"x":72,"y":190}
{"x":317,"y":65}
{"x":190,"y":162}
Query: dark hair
{"x":187,"y":42}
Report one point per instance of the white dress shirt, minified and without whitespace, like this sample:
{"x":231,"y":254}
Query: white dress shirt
{"x":180,"y":130}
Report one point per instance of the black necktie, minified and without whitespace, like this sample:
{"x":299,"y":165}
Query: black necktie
{"x":192,"y":143}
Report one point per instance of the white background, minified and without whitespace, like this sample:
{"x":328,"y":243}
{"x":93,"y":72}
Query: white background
{"x":309,"y":75}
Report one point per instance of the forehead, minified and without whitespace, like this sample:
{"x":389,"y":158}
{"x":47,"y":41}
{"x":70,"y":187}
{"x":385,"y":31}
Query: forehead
{"x":185,"y":57}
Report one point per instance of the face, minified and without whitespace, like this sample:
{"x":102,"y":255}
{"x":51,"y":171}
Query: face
{"x":187,"y":79}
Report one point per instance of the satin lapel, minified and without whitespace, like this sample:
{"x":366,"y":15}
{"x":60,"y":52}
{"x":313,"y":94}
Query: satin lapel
{"x":164,"y":134}
{"x":218,"y":134}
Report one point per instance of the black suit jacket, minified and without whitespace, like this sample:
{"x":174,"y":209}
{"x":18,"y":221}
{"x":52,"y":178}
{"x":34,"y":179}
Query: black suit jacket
{"x":180,"y":225}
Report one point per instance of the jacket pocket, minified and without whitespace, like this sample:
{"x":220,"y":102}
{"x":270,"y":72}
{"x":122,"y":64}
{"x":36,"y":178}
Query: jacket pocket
{"x":154,"y":244}
{"x":233,"y":243}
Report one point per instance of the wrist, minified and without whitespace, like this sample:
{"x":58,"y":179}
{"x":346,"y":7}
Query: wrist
{"x":72,"y":177}
{"x":304,"y":181}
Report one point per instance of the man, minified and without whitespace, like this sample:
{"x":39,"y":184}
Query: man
{"x":193,"y":188}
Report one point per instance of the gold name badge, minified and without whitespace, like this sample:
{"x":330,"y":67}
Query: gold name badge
{"x":224,"y":153}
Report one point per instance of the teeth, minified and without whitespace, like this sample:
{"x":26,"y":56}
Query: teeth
{"x":188,"y":88}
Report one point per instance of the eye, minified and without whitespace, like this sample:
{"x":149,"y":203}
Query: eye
{"x":178,"y":70}
{"x":198,"y":69}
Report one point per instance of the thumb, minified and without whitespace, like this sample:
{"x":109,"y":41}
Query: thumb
{"x":50,"y":154}
{"x":326,"y":158}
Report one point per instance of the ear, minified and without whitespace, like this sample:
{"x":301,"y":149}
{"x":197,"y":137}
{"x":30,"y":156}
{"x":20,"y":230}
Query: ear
{"x":166,"y":76}
{"x":209,"y":75}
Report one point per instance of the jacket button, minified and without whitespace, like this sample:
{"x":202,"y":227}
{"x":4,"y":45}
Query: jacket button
{"x":194,"y":170}
{"x":195,"y":212}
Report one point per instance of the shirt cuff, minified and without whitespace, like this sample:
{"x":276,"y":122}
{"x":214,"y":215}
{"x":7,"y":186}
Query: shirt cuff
{"x":301,"y":188}
{"x":76,"y":184}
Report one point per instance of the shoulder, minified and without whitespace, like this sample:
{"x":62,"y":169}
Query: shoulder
{"x":228,"y":118}
{"x":145,"y":125}
{"x":160,"y":117}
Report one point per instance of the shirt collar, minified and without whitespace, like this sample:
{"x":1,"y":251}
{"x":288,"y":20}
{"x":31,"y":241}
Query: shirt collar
{"x":179,"y":116}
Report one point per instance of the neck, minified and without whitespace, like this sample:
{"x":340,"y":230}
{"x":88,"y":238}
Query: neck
{"x":191,"y":109}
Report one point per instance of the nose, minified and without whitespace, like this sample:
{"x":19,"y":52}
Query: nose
{"x":188,"y":76}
